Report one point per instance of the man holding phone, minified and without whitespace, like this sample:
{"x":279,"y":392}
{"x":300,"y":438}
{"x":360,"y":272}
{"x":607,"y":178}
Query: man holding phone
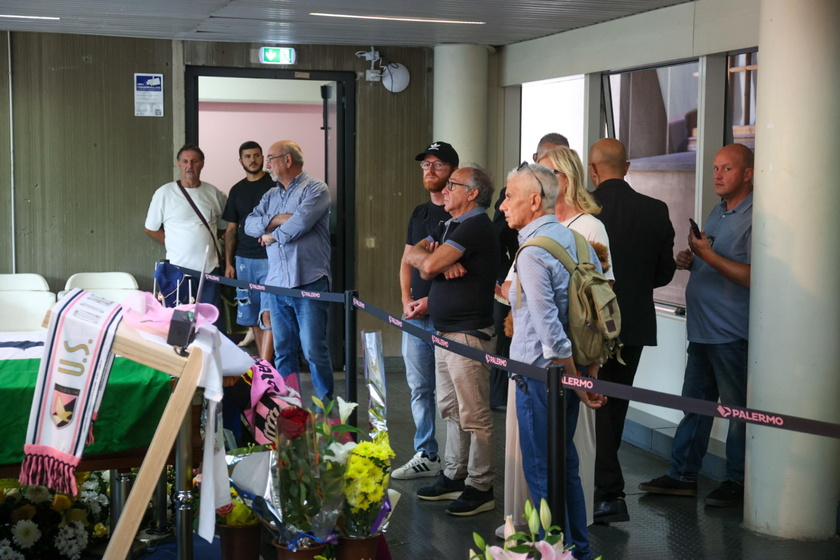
{"x":717,"y":313}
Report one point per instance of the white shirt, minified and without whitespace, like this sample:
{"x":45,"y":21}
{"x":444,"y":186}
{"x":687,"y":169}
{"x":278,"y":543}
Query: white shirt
{"x":186,"y":236}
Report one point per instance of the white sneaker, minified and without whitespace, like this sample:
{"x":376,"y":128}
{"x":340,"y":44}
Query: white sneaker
{"x":418,"y":466}
{"x":249,"y":338}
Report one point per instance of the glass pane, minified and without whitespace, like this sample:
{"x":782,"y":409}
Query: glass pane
{"x":552,"y":106}
{"x":743,"y":77}
{"x":655,"y":114}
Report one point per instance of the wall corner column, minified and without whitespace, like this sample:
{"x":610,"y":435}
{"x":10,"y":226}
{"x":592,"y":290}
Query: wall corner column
{"x":460,"y":100}
{"x":792,"y":486}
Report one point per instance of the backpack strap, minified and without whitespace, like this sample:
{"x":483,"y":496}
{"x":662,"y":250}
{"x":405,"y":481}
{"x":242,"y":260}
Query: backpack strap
{"x":558,"y":252}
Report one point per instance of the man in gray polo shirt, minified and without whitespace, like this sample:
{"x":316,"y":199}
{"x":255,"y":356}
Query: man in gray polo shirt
{"x":717,"y":312}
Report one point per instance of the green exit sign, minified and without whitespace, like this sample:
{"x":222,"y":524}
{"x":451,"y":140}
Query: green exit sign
{"x":277,"y":55}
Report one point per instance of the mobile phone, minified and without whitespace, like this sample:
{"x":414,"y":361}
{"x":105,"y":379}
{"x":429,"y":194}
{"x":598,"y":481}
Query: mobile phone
{"x":694,"y":229}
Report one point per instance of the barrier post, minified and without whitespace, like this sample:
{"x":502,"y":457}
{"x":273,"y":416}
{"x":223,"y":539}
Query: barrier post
{"x":350,"y":354}
{"x":556,"y":447}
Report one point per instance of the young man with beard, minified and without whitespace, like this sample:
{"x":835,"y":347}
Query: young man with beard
{"x":251,"y":262}
{"x":438,"y":161}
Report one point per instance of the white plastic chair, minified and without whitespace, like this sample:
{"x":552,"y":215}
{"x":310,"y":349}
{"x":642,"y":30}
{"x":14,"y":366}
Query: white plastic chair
{"x":24,"y":311}
{"x":23,"y":282}
{"x":110,"y":280}
{"x":115,"y":286}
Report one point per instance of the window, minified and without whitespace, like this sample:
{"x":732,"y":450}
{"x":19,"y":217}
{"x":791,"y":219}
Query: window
{"x":552,"y":106}
{"x":654,"y":113}
{"x":743,"y":78}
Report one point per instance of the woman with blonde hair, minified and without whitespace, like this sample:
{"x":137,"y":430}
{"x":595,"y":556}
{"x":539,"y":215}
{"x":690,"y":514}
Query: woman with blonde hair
{"x":576,"y":208}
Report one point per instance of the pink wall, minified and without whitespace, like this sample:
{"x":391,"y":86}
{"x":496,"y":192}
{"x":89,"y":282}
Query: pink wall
{"x":222,"y":127}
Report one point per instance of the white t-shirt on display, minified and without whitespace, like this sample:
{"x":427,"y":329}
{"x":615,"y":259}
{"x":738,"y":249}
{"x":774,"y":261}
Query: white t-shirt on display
{"x":186,"y":236}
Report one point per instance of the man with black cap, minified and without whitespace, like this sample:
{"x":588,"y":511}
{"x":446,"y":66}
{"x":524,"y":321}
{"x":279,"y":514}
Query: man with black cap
{"x":437,"y":161}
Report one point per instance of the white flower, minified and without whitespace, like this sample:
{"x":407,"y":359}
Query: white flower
{"x":7,"y":552}
{"x":340,"y":452}
{"x":37,"y":494}
{"x":25,"y":533}
{"x":345,"y":409}
{"x":72,"y":539}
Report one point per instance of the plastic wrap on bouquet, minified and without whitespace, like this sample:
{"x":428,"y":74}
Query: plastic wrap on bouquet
{"x":375,"y":377}
{"x":305,"y":487}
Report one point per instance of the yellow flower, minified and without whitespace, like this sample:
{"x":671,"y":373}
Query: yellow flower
{"x":100,"y":530}
{"x":76,"y":514}
{"x":61,"y":502}
{"x":26,"y":511}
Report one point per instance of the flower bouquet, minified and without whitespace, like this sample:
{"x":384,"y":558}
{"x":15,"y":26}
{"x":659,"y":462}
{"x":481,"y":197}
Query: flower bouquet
{"x":366,"y":480}
{"x":37,"y":523}
{"x":307,"y":477}
{"x":524,"y":546}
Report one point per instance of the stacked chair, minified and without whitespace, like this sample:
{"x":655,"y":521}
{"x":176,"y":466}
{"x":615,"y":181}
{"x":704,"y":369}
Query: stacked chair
{"x":24,"y":301}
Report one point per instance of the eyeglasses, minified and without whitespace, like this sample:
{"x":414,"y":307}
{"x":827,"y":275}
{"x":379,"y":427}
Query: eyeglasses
{"x":269,"y":158}
{"x":525,"y":165}
{"x":452,"y":184}
{"x":438,"y":165}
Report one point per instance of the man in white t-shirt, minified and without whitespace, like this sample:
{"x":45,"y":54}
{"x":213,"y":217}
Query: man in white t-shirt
{"x":172,"y":221}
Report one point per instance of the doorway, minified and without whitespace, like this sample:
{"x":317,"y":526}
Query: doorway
{"x":227,"y":106}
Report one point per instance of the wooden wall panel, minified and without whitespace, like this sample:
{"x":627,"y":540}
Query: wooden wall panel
{"x":391,"y":130}
{"x":85,"y":166}
{"x":5,"y":161}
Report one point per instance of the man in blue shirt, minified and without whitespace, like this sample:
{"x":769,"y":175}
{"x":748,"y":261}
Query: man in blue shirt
{"x":717,"y":320}
{"x":540,"y":320}
{"x":292,"y":222}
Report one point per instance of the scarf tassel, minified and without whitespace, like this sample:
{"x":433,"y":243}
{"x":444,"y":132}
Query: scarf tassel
{"x":46,"y":469}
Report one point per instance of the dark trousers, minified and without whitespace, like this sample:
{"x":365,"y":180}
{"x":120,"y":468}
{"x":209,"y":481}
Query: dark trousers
{"x":609,"y":426}
{"x":499,"y":377}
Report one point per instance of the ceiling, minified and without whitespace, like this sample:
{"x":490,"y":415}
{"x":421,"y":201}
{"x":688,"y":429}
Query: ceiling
{"x":289,"y":21}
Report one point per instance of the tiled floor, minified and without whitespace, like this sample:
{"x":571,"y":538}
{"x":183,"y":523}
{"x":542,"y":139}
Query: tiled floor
{"x":660,"y":527}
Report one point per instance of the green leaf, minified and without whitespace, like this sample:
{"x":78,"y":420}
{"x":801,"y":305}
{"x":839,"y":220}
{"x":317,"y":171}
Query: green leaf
{"x":479,"y":542}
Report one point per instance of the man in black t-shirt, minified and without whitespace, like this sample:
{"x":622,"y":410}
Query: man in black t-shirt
{"x":250,"y":263}
{"x":438,"y":161}
{"x":461,"y":257}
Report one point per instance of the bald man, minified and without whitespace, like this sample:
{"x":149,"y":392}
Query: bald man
{"x":292,"y":221}
{"x":642,"y":246}
{"x":718,"y":303}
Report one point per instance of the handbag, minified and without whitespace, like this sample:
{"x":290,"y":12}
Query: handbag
{"x":219,"y":255}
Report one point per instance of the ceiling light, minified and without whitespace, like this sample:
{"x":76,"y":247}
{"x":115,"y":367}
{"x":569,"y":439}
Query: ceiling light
{"x":395,"y":18}
{"x":29,"y":17}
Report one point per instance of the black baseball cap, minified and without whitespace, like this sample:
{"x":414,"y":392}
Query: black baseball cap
{"x":441,"y":150}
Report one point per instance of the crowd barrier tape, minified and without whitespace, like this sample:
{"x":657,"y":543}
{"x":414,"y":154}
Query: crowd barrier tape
{"x":321,"y":296}
{"x":588,"y":384}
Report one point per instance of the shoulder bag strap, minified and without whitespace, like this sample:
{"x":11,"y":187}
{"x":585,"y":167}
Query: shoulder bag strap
{"x":203,"y":221}
{"x":558,"y":251}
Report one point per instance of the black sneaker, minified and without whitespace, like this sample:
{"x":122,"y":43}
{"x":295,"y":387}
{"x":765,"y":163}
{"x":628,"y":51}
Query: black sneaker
{"x":471,"y":502}
{"x":671,"y":486}
{"x":728,"y":494}
{"x":443,"y":489}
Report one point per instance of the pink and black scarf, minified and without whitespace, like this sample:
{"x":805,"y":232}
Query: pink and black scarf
{"x":71,"y":381}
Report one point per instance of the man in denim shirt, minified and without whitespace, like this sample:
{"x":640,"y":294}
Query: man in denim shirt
{"x":539,"y":337}
{"x":292,"y":221}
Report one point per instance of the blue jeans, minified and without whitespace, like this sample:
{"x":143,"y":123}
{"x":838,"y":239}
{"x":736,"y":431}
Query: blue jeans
{"x":249,"y":302}
{"x":302,"y":323}
{"x":419,"y":357}
{"x":712,"y":371}
{"x":532,"y":414}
